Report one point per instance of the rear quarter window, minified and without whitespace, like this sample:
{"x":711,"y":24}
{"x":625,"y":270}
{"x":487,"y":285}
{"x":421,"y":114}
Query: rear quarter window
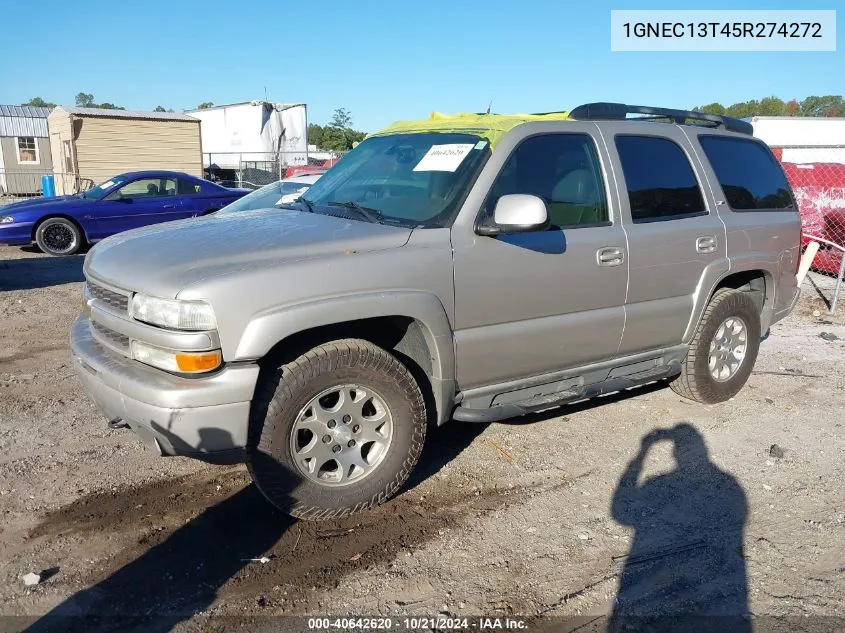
{"x":750,"y":176}
{"x":191,"y":188}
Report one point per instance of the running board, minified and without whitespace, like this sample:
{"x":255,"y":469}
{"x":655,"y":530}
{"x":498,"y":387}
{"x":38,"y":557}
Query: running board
{"x":549,"y":401}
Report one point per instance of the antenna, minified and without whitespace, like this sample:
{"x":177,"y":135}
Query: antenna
{"x":489,"y":106}
{"x":265,"y":94}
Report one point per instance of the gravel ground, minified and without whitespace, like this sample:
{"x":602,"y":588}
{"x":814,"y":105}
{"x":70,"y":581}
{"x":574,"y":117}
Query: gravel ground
{"x":538,"y":516}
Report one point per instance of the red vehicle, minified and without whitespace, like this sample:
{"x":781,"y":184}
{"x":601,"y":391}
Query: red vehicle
{"x":820,"y":194}
{"x":316,"y":166}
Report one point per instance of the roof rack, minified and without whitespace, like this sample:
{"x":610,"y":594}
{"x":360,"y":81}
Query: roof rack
{"x":619,"y":111}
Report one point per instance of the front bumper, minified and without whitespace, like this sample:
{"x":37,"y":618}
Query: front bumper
{"x":205,"y":418}
{"x":17,"y":233}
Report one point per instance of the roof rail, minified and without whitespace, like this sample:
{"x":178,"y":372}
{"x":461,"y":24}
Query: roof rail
{"x":619,"y":111}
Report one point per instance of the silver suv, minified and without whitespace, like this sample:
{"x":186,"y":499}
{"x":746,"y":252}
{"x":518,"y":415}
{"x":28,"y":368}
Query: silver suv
{"x":469,"y":267}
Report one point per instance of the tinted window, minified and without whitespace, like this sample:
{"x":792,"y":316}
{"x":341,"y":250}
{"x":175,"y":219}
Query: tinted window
{"x":660,"y":180}
{"x":563,"y":170}
{"x":748,"y":173}
{"x":188,"y":187}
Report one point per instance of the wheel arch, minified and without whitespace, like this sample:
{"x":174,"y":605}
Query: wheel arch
{"x":64,"y":216}
{"x":411,"y":325}
{"x":758,"y":282}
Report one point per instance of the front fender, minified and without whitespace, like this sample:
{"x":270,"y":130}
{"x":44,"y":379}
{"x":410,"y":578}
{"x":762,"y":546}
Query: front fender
{"x":271,"y":327}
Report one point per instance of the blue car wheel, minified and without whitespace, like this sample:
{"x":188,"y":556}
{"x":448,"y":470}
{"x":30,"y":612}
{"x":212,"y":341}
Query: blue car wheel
{"x":58,"y":236}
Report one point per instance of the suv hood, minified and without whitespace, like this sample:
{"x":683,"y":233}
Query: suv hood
{"x":163,"y":259}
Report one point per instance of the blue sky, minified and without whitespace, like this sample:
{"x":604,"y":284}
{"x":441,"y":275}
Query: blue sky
{"x":382,"y":60}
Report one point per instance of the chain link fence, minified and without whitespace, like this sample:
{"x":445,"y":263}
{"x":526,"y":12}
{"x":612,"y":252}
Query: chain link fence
{"x":817,"y":177}
{"x":256,"y":169}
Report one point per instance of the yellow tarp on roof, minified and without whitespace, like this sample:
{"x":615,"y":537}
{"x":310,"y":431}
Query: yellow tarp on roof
{"x":490,"y":126}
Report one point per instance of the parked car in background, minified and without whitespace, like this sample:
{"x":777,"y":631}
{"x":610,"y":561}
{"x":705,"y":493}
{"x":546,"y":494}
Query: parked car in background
{"x":63,"y":225}
{"x":275,"y":194}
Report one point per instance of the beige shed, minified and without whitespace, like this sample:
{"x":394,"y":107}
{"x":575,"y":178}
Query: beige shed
{"x":90,"y":145}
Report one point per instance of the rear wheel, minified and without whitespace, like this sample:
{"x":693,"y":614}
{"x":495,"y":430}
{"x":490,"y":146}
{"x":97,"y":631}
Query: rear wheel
{"x":723,"y":350}
{"x":59,"y":236}
{"x":339,"y":430}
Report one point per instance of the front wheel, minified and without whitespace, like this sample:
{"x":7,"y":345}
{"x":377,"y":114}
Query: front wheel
{"x":59,"y":236}
{"x":723,"y":350}
{"x":339,"y":430}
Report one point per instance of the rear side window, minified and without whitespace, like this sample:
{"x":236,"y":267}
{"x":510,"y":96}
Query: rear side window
{"x":188,"y":188}
{"x":749,"y":174}
{"x":660,"y":180}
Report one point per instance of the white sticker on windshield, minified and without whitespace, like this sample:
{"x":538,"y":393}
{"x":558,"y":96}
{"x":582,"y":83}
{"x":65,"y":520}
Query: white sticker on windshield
{"x":444,"y":157}
{"x":481,"y":145}
{"x":107,"y":184}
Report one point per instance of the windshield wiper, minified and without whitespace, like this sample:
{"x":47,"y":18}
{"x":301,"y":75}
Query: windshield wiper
{"x":308,"y":204}
{"x":370,"y":214}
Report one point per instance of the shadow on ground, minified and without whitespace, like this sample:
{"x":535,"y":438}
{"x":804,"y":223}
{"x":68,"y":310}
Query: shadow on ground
{"x":686,"y":566}
{"x":40,"y":272}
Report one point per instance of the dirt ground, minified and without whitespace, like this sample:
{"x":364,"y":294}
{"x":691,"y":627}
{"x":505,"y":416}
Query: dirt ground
{"x":533,"y":517}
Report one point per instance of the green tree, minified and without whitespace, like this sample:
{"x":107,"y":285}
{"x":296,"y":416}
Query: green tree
{"x":315,"y":134}
{"x":771,"y":106}
{"x":711,"y":108}
{"x":204,"y":105}
{"x":829,"y":105}
{"x":38,"y":102}
{"x":84,"y":100}
{"x":743,"y":109}
{"x":159,"y":109}
{"x":338,"y":135}
{"x":341,"y":119}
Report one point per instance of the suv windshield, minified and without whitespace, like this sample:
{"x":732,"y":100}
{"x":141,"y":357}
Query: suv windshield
{"x":407,"y":179}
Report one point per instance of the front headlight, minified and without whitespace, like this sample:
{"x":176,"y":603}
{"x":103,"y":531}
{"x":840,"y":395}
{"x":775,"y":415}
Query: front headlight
{"x":6,"y":219}
{"x":176,"y":362}
{"x":173,"y":314}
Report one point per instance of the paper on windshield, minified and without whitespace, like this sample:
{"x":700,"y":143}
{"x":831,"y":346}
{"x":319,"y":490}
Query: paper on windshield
{"x":107,"y":184}
{"x":444,"y":157}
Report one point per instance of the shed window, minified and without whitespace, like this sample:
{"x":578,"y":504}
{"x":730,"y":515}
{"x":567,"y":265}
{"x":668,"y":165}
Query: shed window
{"x":27,"y":149}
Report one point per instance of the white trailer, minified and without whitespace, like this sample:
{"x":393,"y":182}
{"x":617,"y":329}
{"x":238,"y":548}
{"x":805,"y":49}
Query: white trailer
{"x":253,"y":132}
{"x":803,"y":139}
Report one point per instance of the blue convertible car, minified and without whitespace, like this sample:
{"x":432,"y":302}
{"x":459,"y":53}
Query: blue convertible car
{"x":63,"y":225}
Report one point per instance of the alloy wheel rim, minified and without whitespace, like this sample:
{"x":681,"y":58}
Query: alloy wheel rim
{"x":341,"y":435}
{"x":728,"y":349}
{"x":59,"y":238}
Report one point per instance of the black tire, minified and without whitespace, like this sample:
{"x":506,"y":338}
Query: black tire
{"x":59,"y":237}
{"x":695,"y":381}
{"x":281,"y":395}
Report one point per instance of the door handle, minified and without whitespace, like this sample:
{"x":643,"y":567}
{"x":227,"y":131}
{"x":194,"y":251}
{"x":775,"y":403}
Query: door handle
{"x":706,"y":244}
{"x":610,"y":256}
{"x":170,"y":206}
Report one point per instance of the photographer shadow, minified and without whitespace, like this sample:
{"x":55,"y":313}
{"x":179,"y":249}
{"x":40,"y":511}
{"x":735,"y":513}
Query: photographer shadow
{"x":686,"y":567}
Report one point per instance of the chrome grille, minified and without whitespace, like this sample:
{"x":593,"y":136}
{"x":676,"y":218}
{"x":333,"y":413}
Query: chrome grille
{"x":115,"y":339}
{"x":114,"y":299}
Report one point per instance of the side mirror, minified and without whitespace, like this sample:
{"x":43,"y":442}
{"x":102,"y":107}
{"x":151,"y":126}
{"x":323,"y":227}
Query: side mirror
{"x":517,"y":213}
